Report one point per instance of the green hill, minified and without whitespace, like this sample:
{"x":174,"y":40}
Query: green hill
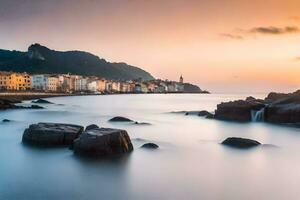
{"x":40,"y":59}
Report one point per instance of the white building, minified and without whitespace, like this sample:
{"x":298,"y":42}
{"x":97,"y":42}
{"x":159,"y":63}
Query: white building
{"x":44,"y":82}
{"x":92,"y":86}
{"x":81,"y":84}
{"x":39,"y":82}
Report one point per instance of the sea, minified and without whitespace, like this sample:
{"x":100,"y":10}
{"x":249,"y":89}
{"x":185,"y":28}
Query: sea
{"x":189,"y":164}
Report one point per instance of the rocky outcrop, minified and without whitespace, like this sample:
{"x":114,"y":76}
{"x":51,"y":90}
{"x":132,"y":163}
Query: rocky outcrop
{"x":286,"y":110}
{"x":237,"y":110}
{"x":120,"y":119}
{"x":51,"y":134}
{"x":10,"y":104}
{"x":7,"y":104}
{"x":150,"y":146}
{"x":42,"y":101}
{"x":103,"y":142}
{"x":241,"y":143}
{"x":276,"y":108}
{"x":201,"y":113}
{"x":274,"y":96}
{"x":91,"y":127}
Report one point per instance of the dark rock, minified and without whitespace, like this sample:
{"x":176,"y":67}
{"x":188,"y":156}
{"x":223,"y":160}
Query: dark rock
{"x":29,"y":107}
{"x":120,"y":119}
{"x":202,"y":113}
{"x":5,"y":120}
{"x":210,"y":116}
{"x":90,"y":127}
{"x":142,"y":123}
{"x":35,"y":107}
{"x":273,"y":96}
{"x":43,"y":101}
{"x":178,"y":112}
{"x":6,"y":104}
{"x":241,"y":143}
{"x":192,"y":113}
{"x":103,"y":142}
{"x":150,"y":146}
{"x":250,"y":98}
{"x":51,"y":134}
{"x":237,"y":110}
{"x":254,"y":100}
{"x":286,"y":110}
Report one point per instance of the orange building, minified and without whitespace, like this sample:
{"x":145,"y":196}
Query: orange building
{"x":14,"y":81}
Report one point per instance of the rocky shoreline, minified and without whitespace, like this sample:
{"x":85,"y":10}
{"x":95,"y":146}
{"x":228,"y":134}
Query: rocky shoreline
{"x":10,"y":101}
{"x":275,"y":108}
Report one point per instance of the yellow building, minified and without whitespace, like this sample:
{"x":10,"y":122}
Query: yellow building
{"x":52,"y":83}
{"x":5,"y":80}
{"x":14,"y":81}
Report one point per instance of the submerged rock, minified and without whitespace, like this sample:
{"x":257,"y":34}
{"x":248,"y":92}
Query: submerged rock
{"x":35,"y":107}
{"x":51,"y":134}
{"x":103,"y":142}
{"x":178,"y":112}
{"x":120,"y":119}
{"x":192,"y":113}
{"x":210,"y":116}
{"x":29,"y":107}
{"x":202,"y":113}
{"x":6,"y":104}
{"x":142,"y":123}
{"x":150,"y":146}
{"x":42,"y":101}
{"x":242,"y":143}
{"x":92,"y":126}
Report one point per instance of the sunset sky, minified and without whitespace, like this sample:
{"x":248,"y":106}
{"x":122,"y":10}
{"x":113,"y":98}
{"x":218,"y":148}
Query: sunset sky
{"x":221,"y":45}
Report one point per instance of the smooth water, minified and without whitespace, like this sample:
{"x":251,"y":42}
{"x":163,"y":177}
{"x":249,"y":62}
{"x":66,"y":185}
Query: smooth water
{"x":190,"y":164}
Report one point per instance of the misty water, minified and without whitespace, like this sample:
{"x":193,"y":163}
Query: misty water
{"x":190,"y":164}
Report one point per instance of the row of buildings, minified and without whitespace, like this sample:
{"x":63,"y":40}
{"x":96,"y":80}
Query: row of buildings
{"x":68,"y":83}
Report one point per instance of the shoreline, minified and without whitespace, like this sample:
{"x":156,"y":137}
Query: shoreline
{"x":22,"y":96}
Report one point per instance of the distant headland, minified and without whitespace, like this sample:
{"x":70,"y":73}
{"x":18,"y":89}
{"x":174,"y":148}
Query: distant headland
{"x":44,"y":70}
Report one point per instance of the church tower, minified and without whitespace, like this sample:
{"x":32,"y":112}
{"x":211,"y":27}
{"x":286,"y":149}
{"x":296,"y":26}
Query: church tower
{"x":181,"y":79}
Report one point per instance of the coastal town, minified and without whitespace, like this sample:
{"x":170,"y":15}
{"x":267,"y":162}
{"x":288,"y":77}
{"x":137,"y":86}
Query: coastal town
{"x":70,"y":83}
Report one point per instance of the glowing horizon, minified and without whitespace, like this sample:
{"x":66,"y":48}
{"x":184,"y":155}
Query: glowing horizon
{"x":223,"y":46}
